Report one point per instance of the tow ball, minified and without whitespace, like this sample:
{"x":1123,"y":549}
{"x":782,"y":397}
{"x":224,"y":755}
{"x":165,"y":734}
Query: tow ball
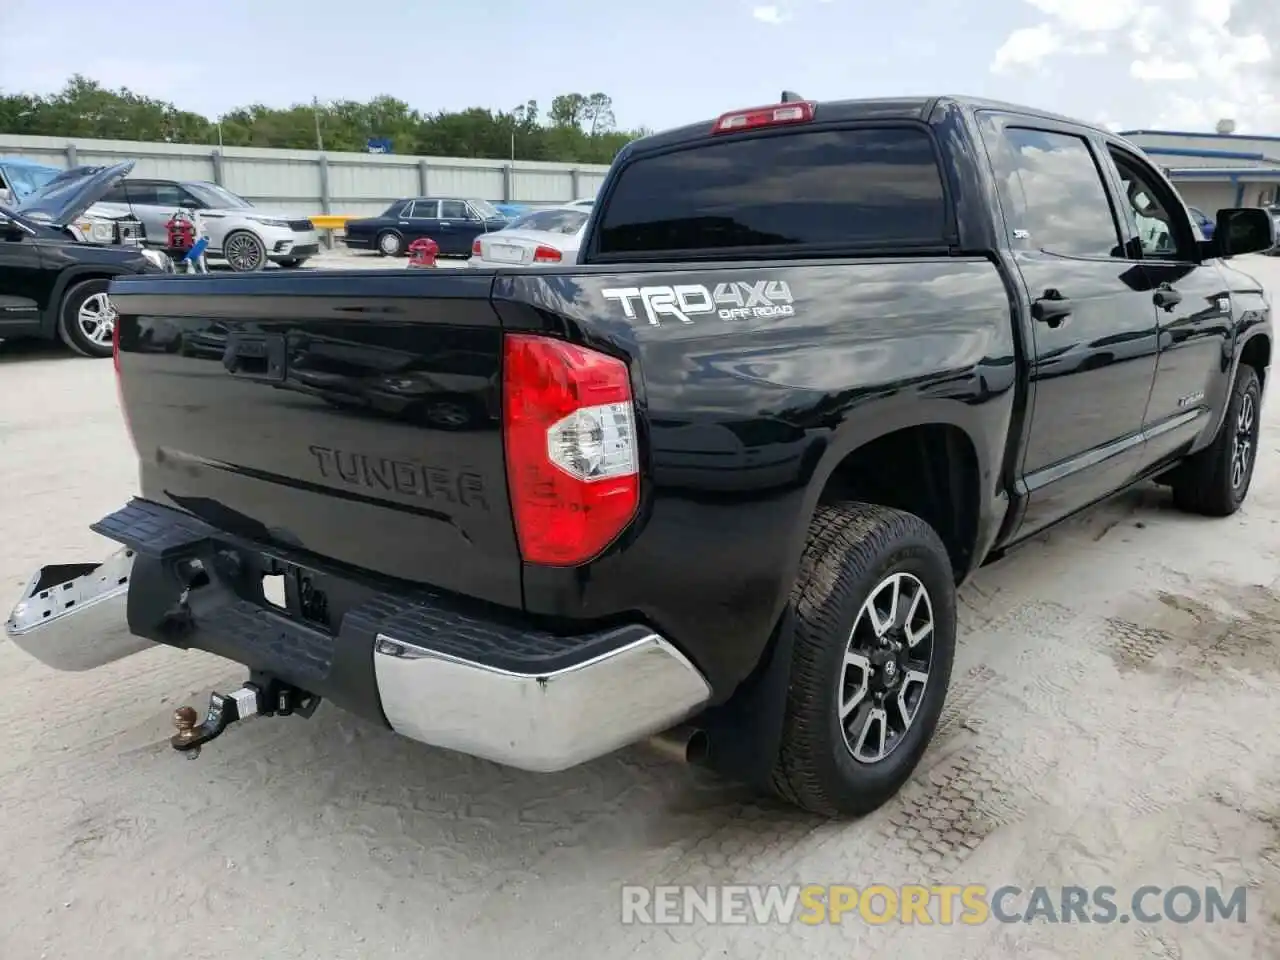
{"x":267,"y":697}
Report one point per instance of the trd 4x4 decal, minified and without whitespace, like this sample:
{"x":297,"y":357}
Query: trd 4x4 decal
{"x":732,"y":300}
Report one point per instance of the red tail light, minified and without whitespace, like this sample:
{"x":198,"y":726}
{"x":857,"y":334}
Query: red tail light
{"x":570,"y":436}
{"x":546,"y":255}
{"x":797,"y":111}
{"x":475,"y":248}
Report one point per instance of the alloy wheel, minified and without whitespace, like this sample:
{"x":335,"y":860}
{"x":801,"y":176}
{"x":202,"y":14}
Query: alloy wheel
{"x":244,"y":253}
{"x":1244,"y":442}
{"x":97,"y":319}
{"x":886,"y":667}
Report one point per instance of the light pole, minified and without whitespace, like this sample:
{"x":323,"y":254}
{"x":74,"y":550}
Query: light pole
{"x":315,"y":107}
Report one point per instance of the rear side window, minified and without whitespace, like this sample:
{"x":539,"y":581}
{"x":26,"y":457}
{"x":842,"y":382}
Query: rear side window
{"x":1055,"y":192}
{"x":143,"y":194}
{"x":835,"y":187}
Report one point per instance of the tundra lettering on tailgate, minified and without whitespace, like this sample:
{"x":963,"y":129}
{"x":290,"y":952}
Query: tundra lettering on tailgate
{"x":401,"y":476}
{"x":732,"y":300}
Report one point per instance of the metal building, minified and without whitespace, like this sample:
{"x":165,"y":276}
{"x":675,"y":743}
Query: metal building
{"x":1216,"y":170}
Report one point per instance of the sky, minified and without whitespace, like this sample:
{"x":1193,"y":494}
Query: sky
{"x":1167,"y":64}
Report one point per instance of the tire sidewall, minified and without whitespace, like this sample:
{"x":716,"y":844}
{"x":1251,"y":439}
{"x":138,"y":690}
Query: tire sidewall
{"x":69,"y":319}
{"x":926,"y":561}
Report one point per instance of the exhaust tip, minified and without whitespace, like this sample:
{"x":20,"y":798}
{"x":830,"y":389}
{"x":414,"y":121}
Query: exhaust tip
{"x":682,"y":744}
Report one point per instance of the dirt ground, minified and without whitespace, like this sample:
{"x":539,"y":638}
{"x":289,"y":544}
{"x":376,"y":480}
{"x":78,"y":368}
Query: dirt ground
{"x":1112,"y":721}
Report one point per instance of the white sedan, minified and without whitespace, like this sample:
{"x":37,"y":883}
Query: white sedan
{"x":541,"y":237}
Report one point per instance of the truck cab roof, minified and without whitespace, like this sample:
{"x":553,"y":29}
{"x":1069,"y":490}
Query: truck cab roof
{"x":920,"y":108}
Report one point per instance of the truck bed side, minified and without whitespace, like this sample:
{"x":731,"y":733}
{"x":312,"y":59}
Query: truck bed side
{"x":747,"y":419}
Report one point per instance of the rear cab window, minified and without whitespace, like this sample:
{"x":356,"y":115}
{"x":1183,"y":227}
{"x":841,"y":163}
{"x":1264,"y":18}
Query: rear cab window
{"x":779,"y":194}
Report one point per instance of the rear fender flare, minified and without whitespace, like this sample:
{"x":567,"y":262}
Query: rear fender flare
{"x":744,"y":732}
{"x":66,"y":280}
{"x":860,"y":428}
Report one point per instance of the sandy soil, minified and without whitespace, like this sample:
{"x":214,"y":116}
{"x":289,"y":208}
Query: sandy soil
{"x":1112,"y":721}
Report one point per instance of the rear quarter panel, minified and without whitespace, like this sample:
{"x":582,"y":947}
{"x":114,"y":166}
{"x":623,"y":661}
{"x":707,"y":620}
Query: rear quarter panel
{"x":745,"y":415}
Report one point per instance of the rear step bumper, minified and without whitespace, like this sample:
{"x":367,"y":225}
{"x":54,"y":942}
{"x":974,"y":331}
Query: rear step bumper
{"x":73,"y":617}
{"x":432,"y":670}
{"x":533,"y":720}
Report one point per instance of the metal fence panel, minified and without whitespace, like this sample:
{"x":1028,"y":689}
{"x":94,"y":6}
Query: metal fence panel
{"x":309,"y":181}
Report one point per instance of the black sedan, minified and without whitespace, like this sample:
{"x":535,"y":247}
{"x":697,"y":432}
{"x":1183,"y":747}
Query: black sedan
{"x":453,"y":224}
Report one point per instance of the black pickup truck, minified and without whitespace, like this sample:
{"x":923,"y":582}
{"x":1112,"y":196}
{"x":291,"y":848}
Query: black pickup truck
{"x":716,"y":484}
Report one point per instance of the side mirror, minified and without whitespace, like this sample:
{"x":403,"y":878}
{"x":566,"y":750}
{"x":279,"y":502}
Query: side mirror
{"x":1244,"y":230}
{"x":11,"y":231}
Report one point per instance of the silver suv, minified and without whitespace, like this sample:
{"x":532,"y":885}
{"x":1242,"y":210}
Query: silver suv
{"x":245,"y":236}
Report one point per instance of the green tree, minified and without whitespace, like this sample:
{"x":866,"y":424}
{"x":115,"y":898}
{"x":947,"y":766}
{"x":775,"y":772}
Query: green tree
{"x":567,"y":110}
{"x":578,"y":127}
{"x":597,"y":114}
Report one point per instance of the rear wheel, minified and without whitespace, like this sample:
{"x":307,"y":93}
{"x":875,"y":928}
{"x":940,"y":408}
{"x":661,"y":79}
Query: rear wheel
{"x":874,"y":646}
{"x":1215,"y":481}
{"x":390,"y":244}
{"x":86,"y":319}
{"x":292,"y":263}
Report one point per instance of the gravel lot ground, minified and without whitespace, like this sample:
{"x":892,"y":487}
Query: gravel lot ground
{"x":1112,"y":721}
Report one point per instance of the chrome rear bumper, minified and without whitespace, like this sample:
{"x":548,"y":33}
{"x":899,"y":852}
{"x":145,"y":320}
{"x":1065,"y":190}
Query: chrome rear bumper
{"x":511,"y":694}
{"x":543,"y":721}
{"x":77,"y":623}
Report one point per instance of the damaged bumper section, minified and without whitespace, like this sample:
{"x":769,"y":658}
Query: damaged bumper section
{"x":73,"y":617}
{"x":432,"y":668}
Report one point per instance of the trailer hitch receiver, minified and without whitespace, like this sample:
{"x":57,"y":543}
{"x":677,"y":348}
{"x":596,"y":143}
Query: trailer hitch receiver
{"x":261,"y":695}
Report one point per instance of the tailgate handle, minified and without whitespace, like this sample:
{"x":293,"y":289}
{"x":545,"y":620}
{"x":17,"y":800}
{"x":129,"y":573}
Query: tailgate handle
{"x":255,"y":356}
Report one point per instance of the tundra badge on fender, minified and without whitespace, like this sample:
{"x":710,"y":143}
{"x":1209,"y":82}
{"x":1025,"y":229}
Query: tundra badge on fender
{"x":733,"y":300}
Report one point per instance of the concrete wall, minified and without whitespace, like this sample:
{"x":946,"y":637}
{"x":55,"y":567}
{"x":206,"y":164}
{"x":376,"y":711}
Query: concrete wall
{"x":311,"y":182}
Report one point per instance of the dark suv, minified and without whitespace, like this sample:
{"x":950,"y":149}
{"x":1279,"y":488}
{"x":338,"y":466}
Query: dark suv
{"x":55,"y":286}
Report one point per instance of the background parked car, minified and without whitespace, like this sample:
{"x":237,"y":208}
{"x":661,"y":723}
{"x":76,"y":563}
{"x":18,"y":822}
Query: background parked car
{"x":54,"y":285}
{"x":545,"y":236}
{"x":1203,"y":221}
{"x":451,"y":222}
{"x":19,"y":178}
{"x":513,"y":210}
{"x":49,"y":204}
{"x":245,"y":236}
{"x":583,"y":203}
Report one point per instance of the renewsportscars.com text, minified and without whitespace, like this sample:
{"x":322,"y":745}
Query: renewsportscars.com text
{"x":969,"y":904}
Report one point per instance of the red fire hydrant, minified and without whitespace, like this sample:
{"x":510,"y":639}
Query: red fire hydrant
{"x":180,"y":234}
{"x":423,"y":252}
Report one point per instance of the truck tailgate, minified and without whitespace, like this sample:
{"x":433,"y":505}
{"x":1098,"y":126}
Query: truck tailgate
{"x":353,"y":415}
